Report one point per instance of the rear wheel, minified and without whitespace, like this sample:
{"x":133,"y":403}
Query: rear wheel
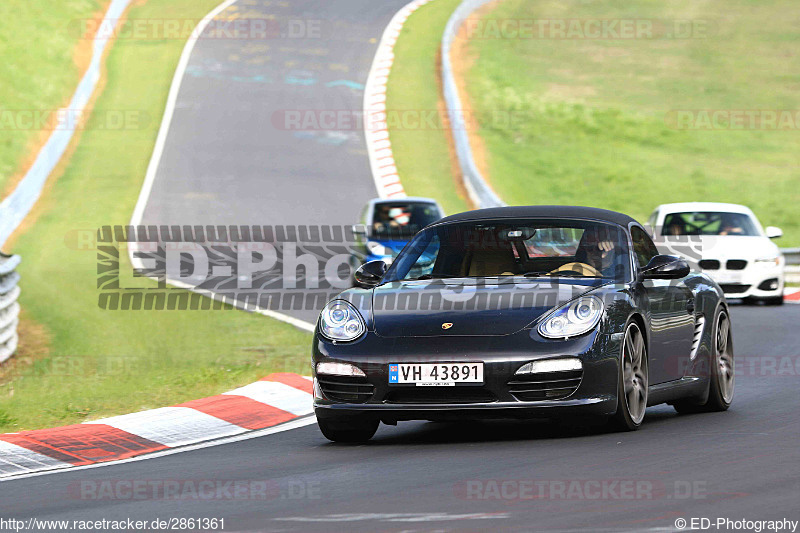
{"x":720,"y":388}
{"x":633,"y":381}
{"x":348,"y":430}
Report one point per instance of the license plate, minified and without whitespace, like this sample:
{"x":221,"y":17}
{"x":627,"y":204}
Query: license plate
{"x":728,"y":277}
{"x":435,"y":374}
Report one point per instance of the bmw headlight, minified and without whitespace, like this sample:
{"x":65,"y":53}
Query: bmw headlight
{"x":768,"y":261}
{"x":340,"y":321}
{"x":575,"y":318}
{"x":376,"y":248}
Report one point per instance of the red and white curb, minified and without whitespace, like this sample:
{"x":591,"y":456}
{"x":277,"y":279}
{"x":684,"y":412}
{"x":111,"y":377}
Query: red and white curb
{"x":276,"y":399}
{"x":791,"y":295}
{"x":379,"y":147}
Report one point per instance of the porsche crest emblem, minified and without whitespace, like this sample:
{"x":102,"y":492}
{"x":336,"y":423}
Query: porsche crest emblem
{"x":447,"y":325}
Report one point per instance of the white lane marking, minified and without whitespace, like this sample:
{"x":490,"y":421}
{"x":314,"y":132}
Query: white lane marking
{"x":155,"y":159}
{"x":394,"y":517}
{"x":296,"y":322}
{"x":382,"y":61}
{"x":169,"y":109}
{"x":292,"y":424}
{"x":278,"y":395}
{"x":15,"y":459}
{"x":173,"y":426}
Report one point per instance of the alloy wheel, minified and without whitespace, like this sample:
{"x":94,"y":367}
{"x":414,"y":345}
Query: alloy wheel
{"x":724,"y":358}
{"x":635,"y":373}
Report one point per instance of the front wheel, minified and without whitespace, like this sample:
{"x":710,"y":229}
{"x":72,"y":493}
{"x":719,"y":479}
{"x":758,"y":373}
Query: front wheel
{"x":351,"y":431}
{"x":632,"y":384}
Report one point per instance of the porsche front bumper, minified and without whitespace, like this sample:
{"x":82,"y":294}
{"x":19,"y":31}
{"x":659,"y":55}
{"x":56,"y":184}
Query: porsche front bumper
{"x":591,"y":391}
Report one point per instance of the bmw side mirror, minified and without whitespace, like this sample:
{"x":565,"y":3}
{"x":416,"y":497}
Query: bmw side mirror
{"x":665,"y":267}
{"x":359,"y":229}
{"x":772,"y":232}
{"x":370,"y":274}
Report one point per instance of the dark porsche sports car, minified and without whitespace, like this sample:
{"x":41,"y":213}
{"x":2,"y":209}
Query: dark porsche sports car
{"x":522,"y":312}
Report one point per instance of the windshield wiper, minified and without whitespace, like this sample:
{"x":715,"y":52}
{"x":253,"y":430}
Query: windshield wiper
{"x":562,"y":274}
{"x":431,"y":276}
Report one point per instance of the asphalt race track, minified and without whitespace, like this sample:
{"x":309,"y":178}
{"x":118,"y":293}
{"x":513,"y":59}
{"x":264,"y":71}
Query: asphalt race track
{"x":226,"y":161}
{"x":739,"y":464}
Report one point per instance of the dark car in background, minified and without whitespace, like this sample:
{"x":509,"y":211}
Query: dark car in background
{"x":545,"y":311}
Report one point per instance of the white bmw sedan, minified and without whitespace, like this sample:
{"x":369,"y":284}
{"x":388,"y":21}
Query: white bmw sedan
{"x":728,"y":243}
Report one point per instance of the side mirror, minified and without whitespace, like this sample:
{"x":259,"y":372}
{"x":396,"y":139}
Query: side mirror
{"x":359,"y":229}
{"x":369,"y":274}
{"x":772,"y":232}
{"x":665,"y":267}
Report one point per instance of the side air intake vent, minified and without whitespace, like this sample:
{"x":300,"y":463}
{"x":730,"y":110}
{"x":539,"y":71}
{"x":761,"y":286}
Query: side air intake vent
{"x":698,"y":334}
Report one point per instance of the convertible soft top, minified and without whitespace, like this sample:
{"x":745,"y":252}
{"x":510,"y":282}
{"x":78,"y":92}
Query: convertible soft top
{"x":540,"y":211}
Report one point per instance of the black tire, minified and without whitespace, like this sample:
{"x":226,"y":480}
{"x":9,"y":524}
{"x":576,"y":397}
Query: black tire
{"x":722,"y":376}
{"x":351,"y":431}
{"x":632,"y":382}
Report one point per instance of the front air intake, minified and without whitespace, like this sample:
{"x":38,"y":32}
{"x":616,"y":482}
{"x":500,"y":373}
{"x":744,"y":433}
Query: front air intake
{"x":545,"y":385}
{"x":347,"y":389}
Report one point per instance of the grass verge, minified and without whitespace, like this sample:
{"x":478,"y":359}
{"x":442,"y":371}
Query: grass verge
{"x":422,"y":153}
{"x":42,"y":62}
{"x":595,"y":118}
{"x":78,"y":362}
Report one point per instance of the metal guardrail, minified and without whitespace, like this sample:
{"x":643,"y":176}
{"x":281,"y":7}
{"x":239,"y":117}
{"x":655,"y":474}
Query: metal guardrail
{"x":479,"y":191}
{"x":792,"y":256}
{"x":17,"y":205}
{"x":792,"y":269}
{"x":9,"y":307}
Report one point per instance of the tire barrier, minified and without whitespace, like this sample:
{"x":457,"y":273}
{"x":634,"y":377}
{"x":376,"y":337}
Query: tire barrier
{"x":9,"y":307}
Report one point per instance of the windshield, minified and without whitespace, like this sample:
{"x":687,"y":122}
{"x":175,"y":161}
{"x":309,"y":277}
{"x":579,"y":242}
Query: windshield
{"x":709,"y":223}
{"x":534,"y":248}
{"x":402,"y":219}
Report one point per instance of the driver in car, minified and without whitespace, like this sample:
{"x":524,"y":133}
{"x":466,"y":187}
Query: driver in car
{"x":594,"y":256}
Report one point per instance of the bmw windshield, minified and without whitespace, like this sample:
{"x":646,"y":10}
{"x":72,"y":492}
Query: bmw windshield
{"x":531,"y":248}
{"x":710,"y":223}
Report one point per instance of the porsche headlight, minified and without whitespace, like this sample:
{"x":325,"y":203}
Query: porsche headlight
{"x":575,"y":318}
{"x":340,"y":321}
{"x":377,"y":248}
